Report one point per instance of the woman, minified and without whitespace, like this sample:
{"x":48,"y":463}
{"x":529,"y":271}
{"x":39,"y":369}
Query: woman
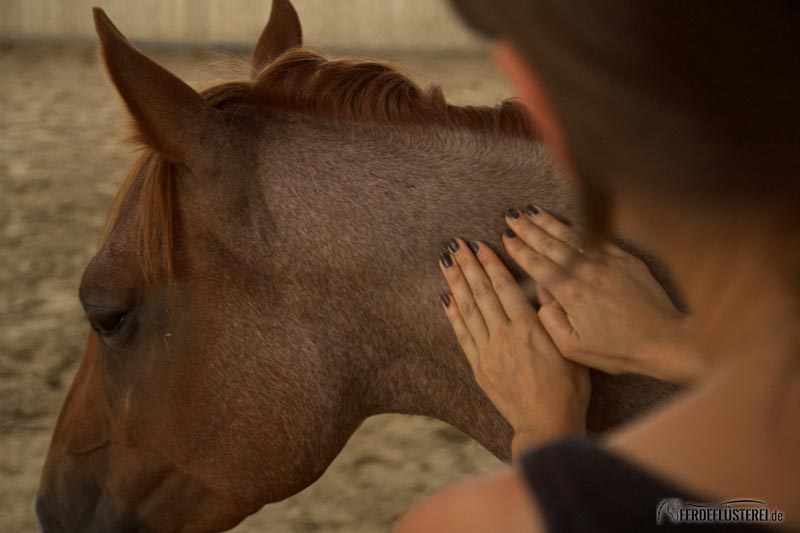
{"x":680,"y":121}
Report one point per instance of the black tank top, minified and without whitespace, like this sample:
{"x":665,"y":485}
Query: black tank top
{"x":582,"y":488}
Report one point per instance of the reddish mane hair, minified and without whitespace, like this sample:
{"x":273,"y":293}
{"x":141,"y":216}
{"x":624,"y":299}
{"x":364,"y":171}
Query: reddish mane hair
{"x":305,"y":82}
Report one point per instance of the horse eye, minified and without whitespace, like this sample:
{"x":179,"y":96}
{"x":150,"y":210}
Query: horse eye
{"x":107,"y":323}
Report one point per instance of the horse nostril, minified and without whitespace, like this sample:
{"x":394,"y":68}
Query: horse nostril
{"x":44,"y":519}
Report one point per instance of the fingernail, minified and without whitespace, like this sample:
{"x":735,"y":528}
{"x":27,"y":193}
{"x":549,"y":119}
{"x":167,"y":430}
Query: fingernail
{"x":531,"y":210}
{"x":512,"y":213}
{"x":447,"y":261}
{"x":473,"y":246}
{"x":510,"y":233}
{"x":445,"y":299}
{"x":453,"y":245}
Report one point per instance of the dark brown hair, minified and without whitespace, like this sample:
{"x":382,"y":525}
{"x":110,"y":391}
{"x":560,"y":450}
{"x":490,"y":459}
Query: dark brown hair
{"x":699,"y":98}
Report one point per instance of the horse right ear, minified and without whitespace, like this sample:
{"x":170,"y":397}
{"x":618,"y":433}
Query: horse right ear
{"x":283,"y":31}
{"x":170,"y":116}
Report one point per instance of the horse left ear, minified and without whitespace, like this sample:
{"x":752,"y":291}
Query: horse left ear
{"x":283,"y":31}
{"x":170,"y":116}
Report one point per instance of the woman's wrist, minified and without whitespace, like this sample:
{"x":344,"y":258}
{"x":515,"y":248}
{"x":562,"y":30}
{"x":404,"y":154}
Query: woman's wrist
{"x":675,"y":357}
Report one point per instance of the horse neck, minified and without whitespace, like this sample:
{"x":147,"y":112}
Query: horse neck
{"x":480,"y":179}
{"x":390,"y":198}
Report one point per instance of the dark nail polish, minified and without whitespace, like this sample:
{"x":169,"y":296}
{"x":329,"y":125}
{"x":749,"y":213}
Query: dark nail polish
{"x":532,"y":210}
{"x":453,"y":245}
{"x":510,"y":233}
{"x":445,"y":299}
{"x":512,"y":213}
{"x":473,"y":246}
{"x":447,"y":261}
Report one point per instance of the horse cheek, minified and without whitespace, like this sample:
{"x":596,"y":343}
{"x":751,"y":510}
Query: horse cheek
{"x":83,"y":424}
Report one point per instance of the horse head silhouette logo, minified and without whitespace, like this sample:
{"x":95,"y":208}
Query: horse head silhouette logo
{"x":671,"y":507}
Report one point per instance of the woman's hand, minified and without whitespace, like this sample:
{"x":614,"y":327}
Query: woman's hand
{"x":602,"y":307}
{"x":541,"y":394}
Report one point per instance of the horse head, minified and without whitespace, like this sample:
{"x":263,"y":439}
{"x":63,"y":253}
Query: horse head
{"x":176,"y":420}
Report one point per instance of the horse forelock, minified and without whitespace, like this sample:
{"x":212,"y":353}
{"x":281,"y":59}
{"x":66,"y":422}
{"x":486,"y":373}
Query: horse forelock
{"x":305,"y":82}
{"x":152,"y":212}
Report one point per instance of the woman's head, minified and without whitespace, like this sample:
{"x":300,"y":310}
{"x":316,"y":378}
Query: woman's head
{"x":690,"y":101}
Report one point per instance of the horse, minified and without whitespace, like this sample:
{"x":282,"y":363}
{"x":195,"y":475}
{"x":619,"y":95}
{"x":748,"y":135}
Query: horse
{"x":267,"y":279}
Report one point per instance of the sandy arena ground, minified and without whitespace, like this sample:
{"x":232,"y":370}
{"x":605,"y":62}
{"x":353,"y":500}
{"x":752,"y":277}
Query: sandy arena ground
{"x":60,"y":162}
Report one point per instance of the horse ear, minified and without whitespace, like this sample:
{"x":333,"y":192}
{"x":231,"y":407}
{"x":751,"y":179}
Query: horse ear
{"x":170,"y":116}
{"x":282,"y":32}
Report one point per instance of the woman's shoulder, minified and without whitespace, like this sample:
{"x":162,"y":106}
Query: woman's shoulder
{"x":580,"y":485}
{"x":496,"y":502}
{"x":732,"y":438}
{"x":570,"y":485}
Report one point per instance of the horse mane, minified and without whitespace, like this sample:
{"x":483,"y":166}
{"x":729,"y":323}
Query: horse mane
{"x":355,"y":90}
{"x":305,"y":82}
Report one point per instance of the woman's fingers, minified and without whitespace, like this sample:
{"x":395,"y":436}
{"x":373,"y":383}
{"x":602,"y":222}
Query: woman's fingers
{"x":512,"y":298}
{"x":540,"y":240}
{"x":538,"y":266}
{"x":483,"y":290}
{"x":460,"y":329}
{"x":543,"y":295}
{"x":554,"y":227}
{"x":556,"y":322}
{"x":462,"y":293}
{"x":613,"y":249}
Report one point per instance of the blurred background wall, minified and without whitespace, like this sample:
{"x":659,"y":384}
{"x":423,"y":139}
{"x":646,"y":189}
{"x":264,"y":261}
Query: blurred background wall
{"x":332,"y":24}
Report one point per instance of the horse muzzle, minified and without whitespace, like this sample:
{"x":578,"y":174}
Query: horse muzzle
{"x":101,"y":519}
